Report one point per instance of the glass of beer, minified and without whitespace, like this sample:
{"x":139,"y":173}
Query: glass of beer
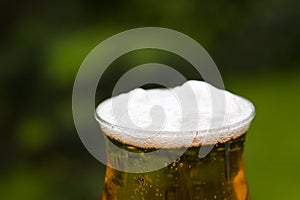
{"x":203,"y":160}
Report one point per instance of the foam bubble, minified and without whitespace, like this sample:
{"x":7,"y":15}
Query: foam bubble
{"x":193,"y":114}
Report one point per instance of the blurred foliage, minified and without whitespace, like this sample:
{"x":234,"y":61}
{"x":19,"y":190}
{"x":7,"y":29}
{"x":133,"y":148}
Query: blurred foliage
{"x":43,"y":43}
{"x":272,"y":149}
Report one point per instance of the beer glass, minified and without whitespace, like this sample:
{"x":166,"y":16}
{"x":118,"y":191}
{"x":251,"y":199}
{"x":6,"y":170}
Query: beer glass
{"x":218,"y":175}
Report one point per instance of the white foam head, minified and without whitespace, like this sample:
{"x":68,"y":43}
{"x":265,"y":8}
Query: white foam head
{"x":193,"y":114}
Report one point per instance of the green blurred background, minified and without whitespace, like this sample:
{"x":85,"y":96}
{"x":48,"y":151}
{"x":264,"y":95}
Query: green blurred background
{"x":42,"y":44}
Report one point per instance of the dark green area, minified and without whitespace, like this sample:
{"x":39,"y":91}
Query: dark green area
{"x":43,"y":43}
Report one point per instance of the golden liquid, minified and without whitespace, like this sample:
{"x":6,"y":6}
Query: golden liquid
{"x":220,"y":175}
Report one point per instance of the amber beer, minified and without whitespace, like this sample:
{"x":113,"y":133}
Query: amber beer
{"x":218,"y":175}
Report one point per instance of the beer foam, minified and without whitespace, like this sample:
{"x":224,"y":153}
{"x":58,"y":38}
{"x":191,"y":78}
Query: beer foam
{"x":193,"y":114}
